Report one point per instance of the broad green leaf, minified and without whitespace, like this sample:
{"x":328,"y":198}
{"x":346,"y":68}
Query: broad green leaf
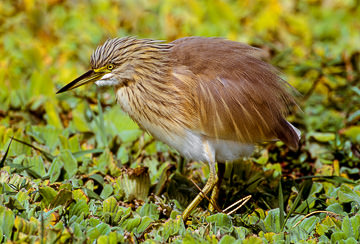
{"x":107,"y":191}
{"x":98,"y":178}
{"x":78,"y":230}
{"x":355,"y":222}
{"x":94,"y":222}
{"x":220,"y":221}
{"x":80,"y":207}
{"x":113,"y":237}
{"x":48,"y":194}
{"x":79,"y":119}
{"x":322,"y":137}
{"x":353,"y":132}
{"x":172,"y":227}
{"x":131,"y":224}
{"x":253,"y":240}
{"x":350,"y":226}
{"x":309,"y":223}
{"x":91,"y":194}
{"x":336,"y":208}
{"x":297,"y":234}
{"x":49,"y":135}
{"x":323,"y":239}
{"x":39,"y":83}
{"x":103,"y":162}
{"x":70,"y":163}
{"x":327,"y":224}
{"x":241,"y":232}
{"x":18,"y":181}
{"x":278,"y":238}
{"x":61,"y":198}
{"x":79,"y":195}
{"x":26,"y":227}
{"x":7,"y":219}
{"x":36,"y":165}
{"x":145,"y":222}
{"x":46,"y":154}
{"x":100,"y":229}
{"x":22,"y":196}
{"x":149,"y":209}
{"x":336,"y":237}
{"x":74,"y":144}
{"x":102,"y":240}
{"x":110,"y":205}
{"x":55,"y":169}
{"x":116,"y":120}
{"x":126,"y":214}
{"x":123,"y":155}
{"x":15,"y":204}
{"x":346,"y":194}
{"x":52,"y":116}
{"x":272,"y":221}
{"x":228,"y":239}
{"x":16,"y":99}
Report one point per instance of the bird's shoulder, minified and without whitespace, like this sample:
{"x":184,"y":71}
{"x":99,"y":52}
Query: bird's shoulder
{"x":211,"y":55}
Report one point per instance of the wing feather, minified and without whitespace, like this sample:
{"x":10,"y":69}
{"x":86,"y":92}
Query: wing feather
{"x":233,"y":94}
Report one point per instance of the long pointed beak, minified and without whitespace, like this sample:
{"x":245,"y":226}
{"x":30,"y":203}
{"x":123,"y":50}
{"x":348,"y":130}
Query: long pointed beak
{"x":82,"y":80}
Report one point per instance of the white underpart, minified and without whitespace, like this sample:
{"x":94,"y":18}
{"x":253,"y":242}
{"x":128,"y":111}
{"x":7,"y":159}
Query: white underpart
{"x":192,"y":145}
{"x":107,"y":80}
{"x":298,"y":132}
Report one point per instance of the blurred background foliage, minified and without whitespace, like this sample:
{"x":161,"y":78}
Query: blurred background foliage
{"x":78,"y":142}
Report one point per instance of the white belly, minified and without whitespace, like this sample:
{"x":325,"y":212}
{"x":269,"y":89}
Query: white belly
{"x":191,"y":145}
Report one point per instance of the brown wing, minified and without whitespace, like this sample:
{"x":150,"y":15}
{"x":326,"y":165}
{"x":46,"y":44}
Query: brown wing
{"x":233,"y":93}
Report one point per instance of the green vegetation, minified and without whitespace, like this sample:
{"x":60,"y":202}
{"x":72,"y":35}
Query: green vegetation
{"x":63,"y":175}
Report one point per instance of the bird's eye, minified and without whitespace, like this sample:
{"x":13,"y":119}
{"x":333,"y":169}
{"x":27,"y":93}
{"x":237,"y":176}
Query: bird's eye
{"x":110,"y":66}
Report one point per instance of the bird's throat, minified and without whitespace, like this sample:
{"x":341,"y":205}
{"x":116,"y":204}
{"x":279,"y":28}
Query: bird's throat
{"x":107,"y":80}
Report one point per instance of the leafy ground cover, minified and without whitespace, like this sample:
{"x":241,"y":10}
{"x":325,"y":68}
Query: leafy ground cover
{"x":74,"y":168}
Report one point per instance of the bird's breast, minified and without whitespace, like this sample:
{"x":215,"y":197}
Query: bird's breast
{"x":159,"y":126}
{"x":153,"y":114}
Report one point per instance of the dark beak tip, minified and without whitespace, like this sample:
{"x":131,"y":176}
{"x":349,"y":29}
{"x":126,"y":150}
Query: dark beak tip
{"x":61,"y":90}
{"x":72,"y":84}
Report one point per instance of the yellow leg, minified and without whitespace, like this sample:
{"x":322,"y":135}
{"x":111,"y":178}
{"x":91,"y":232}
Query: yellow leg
{"x":216,"y":190}
{"x":208,"y":186}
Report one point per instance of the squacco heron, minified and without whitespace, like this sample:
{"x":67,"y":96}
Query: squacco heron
{"x":209,"y":98}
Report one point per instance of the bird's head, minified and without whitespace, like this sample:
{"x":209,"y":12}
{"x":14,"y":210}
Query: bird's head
{"x":122,"y":60}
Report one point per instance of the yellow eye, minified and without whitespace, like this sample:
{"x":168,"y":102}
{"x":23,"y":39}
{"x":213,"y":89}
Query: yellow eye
{"x":110,"y":66}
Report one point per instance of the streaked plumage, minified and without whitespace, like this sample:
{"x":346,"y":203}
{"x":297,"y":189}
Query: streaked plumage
{"x":209,"y":98}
